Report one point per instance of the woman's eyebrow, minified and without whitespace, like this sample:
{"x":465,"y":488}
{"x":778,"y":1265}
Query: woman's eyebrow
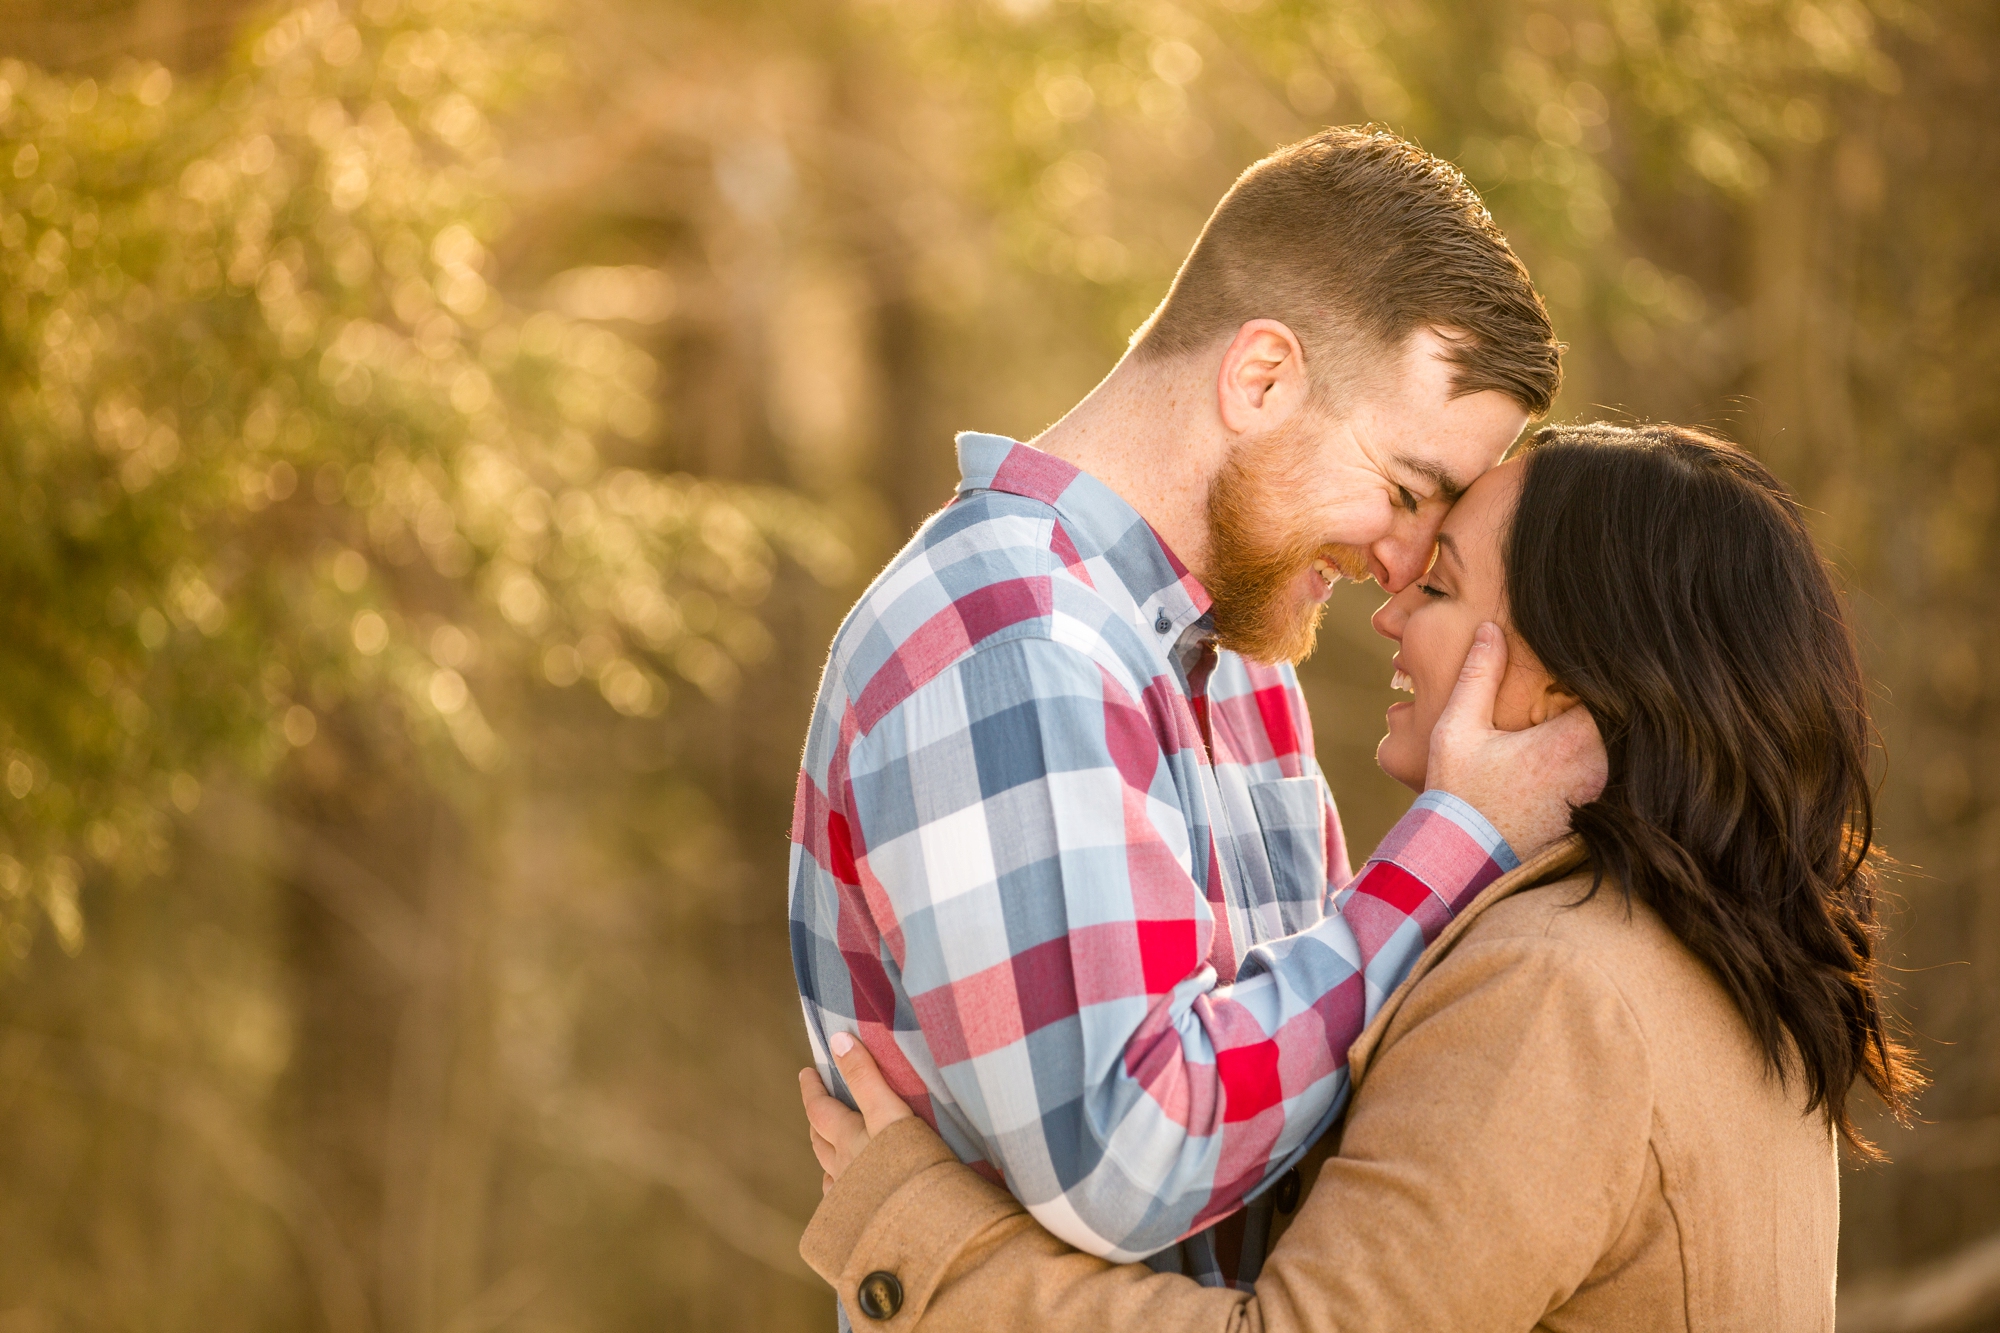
{"x":1450,"y":548}
{"x":1448,"y":486}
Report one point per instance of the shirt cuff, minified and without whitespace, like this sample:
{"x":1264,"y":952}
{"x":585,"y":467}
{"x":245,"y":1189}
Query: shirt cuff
{"x":906,"y":1207}
{"x":1475,"y":825}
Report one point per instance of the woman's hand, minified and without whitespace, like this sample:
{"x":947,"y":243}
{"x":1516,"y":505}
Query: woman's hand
{"x":838,"y":1134}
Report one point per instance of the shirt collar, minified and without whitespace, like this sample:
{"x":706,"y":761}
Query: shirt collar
{"x":1110,"y":535}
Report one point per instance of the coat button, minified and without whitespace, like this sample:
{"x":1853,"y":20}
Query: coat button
{"x":1162,"y":625}
{"x":881,"y":1295}
{"x":1286,"y":1192}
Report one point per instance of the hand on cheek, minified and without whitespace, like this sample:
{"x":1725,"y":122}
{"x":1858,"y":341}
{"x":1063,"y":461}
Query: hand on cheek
{"x":1525,"y":782}
{"x":1528,"y":696}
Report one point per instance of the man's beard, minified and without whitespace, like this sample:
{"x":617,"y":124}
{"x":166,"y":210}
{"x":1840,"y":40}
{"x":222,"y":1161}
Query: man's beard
{"x":1256,"y":552}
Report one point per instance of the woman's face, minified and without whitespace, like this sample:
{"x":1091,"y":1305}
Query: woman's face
{"x":1434,"y":618}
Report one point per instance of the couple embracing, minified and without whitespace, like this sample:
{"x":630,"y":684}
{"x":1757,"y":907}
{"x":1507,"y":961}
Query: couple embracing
{"x":1115,"y":1036}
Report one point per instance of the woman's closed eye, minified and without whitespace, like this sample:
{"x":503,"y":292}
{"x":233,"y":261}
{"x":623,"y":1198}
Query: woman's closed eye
{"x":1432,"y":590}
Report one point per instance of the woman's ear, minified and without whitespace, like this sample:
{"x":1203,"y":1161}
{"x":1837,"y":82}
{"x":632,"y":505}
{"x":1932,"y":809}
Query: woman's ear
{"x":1552,"y":700}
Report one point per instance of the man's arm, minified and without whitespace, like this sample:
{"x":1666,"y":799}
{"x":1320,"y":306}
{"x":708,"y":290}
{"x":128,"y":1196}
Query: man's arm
{"x":1491,"y":1158}
{"x":1021,"y":859}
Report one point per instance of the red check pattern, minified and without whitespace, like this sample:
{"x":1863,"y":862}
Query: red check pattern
{"x":1066,"y":868}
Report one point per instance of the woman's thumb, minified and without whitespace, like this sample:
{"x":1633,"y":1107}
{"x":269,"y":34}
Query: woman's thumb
{"x":878,"y":1103}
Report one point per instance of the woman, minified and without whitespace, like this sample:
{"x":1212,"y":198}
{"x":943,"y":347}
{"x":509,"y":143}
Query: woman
{"x":1608,"y":1095}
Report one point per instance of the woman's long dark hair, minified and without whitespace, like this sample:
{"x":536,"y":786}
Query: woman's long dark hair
{"x":1667,"y":580}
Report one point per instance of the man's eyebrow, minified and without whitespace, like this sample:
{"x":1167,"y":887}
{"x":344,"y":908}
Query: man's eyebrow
{"x":1450,"y":548}
{"x":1448,"y":486}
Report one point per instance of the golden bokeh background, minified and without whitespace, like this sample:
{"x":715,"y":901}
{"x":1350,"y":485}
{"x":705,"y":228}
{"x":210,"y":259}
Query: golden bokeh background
{"x":438,"y":439}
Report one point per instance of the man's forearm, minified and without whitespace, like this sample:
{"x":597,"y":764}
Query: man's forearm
{"x":1219,"y":1088}
{"x":1030,"y":904}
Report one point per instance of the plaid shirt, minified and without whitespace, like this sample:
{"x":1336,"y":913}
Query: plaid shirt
{"x":1066,"y":868}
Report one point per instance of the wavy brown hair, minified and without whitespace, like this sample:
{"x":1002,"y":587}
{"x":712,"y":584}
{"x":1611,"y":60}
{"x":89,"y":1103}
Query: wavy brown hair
{"x":1666,"y":579}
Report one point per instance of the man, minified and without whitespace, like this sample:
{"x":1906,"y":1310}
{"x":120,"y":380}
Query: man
{"x":1062,"y":856}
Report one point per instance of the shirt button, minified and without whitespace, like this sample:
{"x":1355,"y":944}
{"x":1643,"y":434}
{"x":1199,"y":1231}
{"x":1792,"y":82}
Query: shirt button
{"x":881,"y":1295}
{"x":1162,"y":625}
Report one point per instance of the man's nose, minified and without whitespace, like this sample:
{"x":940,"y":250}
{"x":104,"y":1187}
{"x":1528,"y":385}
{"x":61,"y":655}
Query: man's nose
{"x":1396,"y":563}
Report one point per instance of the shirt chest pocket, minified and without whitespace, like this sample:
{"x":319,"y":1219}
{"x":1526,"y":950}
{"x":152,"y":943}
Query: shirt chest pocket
{"x":1291,"y":814}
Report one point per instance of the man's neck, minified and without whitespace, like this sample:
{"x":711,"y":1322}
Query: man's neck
{"x":1150,"y":432}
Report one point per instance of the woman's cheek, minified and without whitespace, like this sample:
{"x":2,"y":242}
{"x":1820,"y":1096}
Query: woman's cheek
{"x":1431,"y":699}
{"x":1512,"y":707}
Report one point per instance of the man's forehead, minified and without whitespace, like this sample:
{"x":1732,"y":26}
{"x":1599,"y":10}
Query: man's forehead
{"x":1449,"y":484}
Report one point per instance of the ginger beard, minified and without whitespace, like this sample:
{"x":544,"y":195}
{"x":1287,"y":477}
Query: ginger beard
{"x":1259,"y":554}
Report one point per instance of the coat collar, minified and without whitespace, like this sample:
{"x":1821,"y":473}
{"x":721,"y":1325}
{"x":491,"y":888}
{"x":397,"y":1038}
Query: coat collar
{"x":1546,"y":866}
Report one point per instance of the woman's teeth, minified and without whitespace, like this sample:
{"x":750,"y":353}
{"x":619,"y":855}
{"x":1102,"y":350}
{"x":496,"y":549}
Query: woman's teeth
{"x":1402,"y":681}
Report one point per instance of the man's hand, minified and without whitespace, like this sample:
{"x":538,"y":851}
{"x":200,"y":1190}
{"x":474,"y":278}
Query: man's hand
{"x":838,"y":1134}
{"x":1524,"y":782}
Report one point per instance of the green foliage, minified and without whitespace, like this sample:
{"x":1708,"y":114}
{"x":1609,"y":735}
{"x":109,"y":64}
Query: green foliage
{"x":1556,"y":112}
{"x":276,"y":445}
{"x":344,"y":385}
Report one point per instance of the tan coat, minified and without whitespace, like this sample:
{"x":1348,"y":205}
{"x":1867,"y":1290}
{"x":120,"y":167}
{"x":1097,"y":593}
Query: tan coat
{"x":1559,"y":1122}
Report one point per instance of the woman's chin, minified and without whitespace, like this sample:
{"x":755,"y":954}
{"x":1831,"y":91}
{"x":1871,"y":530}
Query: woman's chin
{"x":1392,"y":755}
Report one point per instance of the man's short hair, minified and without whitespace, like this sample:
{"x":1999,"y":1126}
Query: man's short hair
{"x":1355,"y":239}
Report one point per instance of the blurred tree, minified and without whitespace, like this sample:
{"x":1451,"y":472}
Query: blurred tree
{"x":278,"y":447}
{"x":305,"y":506}
{"x":392,"y":348}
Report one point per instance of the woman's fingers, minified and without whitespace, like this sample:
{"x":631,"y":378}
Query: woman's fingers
{"x":830,"y":1119}
{"x":840,"y":1135}
{"x":880,"y":1106}
{"x":827,"y":1155}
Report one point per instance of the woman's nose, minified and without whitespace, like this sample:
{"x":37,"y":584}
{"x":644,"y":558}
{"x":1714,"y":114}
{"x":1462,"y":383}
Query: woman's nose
{"x":1389,"y":619}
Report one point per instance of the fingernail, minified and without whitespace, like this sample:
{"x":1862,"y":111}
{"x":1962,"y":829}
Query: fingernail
{"x":1485,"y":634}
{"x":841,"y":1043}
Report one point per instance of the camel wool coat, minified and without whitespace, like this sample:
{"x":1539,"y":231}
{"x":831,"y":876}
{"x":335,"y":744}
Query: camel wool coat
{"x":1560,"y":1122}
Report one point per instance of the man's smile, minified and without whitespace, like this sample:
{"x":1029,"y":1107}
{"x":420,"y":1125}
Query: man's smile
{"x":1326,"y":576}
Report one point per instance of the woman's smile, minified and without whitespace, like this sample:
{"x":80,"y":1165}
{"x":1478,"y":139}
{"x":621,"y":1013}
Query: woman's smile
{"x":1432,"y":620}
{"x":1400,"y":680}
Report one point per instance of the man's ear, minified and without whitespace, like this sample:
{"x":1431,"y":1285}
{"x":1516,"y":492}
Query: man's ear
{"x":1262,"y":380}
{"x":1552,"y":700}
